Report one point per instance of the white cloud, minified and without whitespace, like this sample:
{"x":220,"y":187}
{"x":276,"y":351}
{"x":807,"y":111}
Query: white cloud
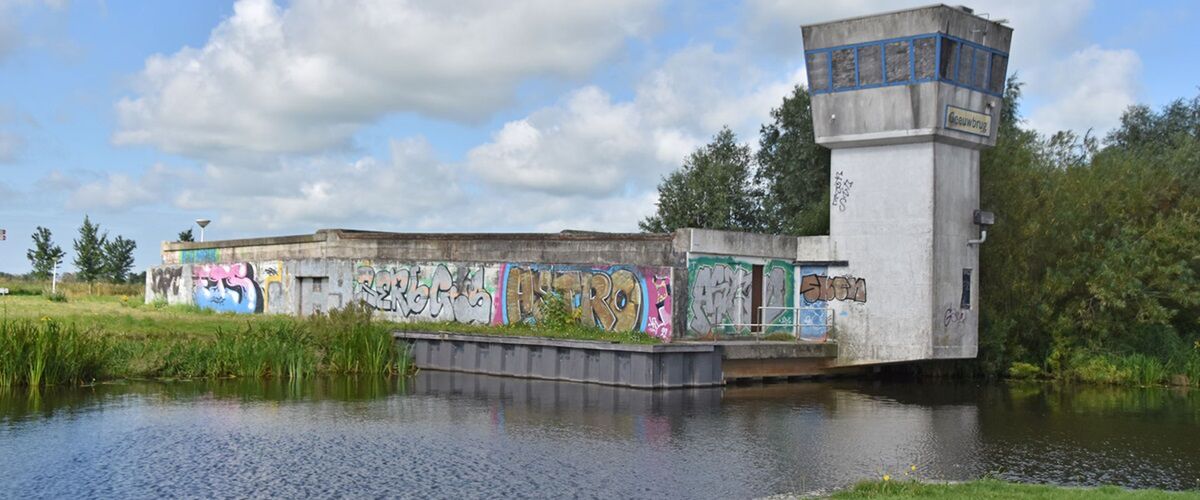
{"x":588,"y":144}
{"x":10,"y":146}
{"x":588,"y":162}
{"x":411,"y":190}
{"x":116,"y":191}
{"x":1089,"y":90}
{"x":304,"y":78}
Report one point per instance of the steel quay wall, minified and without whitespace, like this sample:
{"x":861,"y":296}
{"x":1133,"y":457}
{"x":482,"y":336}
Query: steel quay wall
{"x":660,"y":366}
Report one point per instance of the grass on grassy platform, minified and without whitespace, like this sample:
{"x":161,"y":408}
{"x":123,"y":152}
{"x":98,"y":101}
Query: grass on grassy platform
{"x":991,"y":488}
{"x":128,"y":315}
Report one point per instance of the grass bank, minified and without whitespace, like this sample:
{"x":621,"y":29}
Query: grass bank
{"x":991,"y":488}
{"x":82,"y":337}
{"x":1180,"y":368}
{"x":48,"y":351}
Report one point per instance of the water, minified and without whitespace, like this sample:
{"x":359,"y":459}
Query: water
{"x":465,"y":436}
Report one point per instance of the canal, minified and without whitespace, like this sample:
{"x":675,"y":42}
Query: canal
{"x":469,"y":436}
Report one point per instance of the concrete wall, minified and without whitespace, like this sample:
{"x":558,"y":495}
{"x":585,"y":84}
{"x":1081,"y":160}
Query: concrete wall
{"x":956,"y":188}
{"x":913,"y":112}
{"x":720,"y":295}
{"x":882,"y":225}
{"x":614,"y":297}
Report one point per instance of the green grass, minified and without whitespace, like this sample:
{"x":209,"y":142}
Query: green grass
{"x":96,"y":336}
{"x":990,"y":488}
{"x":571,"y":332}
{"x":48,"y":351}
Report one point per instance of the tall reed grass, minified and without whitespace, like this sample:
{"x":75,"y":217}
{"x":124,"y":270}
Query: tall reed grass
{"x":342,"y":342}
{"x":47,"y":352}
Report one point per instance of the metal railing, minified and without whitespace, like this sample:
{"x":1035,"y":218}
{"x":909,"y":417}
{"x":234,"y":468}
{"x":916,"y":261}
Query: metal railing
{"x":822,"y":319}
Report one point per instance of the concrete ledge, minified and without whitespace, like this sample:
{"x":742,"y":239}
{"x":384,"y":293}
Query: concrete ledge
{"x":663,"y":366}
{"x":749,"y":349}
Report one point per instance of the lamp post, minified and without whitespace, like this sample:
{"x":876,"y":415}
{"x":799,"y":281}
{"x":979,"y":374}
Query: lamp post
{"x":54,"y":278}
{"x":202,"y":223}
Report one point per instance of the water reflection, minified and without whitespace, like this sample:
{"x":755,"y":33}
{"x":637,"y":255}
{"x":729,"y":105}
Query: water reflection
{"x":457,"y":435}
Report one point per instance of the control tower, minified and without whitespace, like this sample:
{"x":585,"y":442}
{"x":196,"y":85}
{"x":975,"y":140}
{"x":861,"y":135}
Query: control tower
{"x":905,"y":100}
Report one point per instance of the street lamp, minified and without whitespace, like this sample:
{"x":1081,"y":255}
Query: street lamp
{"x":202,"y":223}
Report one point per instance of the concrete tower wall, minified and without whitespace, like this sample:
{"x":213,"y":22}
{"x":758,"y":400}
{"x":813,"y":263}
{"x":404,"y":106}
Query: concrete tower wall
{"x":906,"y":100}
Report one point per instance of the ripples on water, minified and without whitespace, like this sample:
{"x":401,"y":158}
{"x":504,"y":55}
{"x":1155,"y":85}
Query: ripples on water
{"x":456,"y":435}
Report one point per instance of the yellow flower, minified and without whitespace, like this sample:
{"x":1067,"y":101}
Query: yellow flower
{"x":45,"y":318}
{"x":913,"y":468}
{"x":887,"y":477}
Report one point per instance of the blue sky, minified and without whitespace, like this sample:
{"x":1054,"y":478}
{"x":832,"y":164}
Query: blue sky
{"x":529,"y":115}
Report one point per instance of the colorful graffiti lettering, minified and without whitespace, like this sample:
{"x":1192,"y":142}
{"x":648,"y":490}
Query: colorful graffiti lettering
{"x":719,"y":295}
{"x":815,"y":316}
{"x":612,"y":298}
{"x":777,"y":296}
{"x":432,"y":292}
{"x":164,"y":281}
{"x":227,"y":288}
{"x":659,"y":323}
{"x":817,"y":287}
{"x":199,"y":256}
{"x":271,"y":277}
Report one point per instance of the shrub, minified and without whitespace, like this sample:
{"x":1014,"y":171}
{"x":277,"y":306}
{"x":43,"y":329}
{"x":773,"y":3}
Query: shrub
{"x":1021,"y":371}
{"x":56,"y":296}
{"x":557,"y":313}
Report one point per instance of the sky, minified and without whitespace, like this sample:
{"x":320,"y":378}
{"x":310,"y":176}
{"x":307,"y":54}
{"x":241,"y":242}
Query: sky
{"x":275,"y":118}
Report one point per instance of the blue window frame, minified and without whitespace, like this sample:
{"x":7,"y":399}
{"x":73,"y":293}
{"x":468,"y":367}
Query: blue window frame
{"x":969,"y":65}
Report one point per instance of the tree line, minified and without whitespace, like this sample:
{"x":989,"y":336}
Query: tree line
{"x":96,"y":256}
{"x":1091,"y":271}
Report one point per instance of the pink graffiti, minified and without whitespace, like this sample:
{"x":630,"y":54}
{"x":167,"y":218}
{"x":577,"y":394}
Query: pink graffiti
{"x":232,"y":274}
{"x":659,"y":323}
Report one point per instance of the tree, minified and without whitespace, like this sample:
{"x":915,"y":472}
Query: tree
{"x":186,"y":236}
{"x":793,"y":170}
{"x":712,"y":190}
{"x":118,"y":259}
{"x":89,"y":252}
{"x":44,"y":254}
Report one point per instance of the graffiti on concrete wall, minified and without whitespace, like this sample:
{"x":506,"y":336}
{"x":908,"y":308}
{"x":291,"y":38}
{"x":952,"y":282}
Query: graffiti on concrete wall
{"x":199,"y":256}
{"x":271,"y":277}
{"x":437,"y":292}
{"x":777,"y":296}
{"x":819,"y":287}
{"x":609,"y":297}
{"x":227,"y":288}
{"x":841,"y":191}
{"x":815,"y":316}
{"x":614,"y":298}
{"x":954,"y":316}
{"x":164,"y":281}
{"x":659,"y":318}
{"x":719,"y":294}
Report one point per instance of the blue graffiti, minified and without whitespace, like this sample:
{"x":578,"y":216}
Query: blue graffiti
{"x":198,"y":256}
{"x":227,"y":288}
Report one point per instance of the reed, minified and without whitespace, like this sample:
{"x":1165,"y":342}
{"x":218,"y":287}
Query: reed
{"x":47,"y":352}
